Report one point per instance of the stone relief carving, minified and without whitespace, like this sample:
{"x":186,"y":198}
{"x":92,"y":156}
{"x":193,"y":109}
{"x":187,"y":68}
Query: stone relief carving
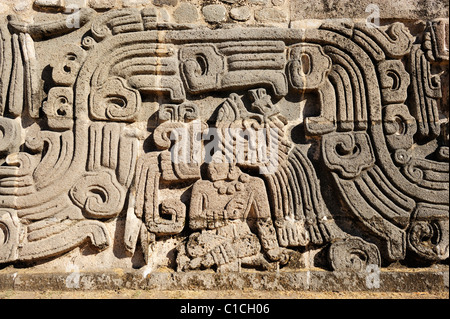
{"x":250,"y":146}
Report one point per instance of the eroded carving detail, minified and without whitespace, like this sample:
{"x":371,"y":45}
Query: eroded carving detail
{"x":225,"y":141}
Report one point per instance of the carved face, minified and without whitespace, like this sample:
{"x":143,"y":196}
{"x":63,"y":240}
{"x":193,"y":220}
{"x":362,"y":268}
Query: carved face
{"x":223,"y":171}
{"x":218,"y":171}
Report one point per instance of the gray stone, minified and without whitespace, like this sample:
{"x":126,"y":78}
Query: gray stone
{"x":185,"y":13}
{"x":258,"y":2}
{"x":74,"y":4}
{"x":329,"y":9}
{"x":396,"y":280}
{"x":172,"y":3}
{"x":134,"y":3}
{"x":21,"y":5}
{"x":270,"y":15}
{"x":242,"y":13}
{"x":214,"y":13}
{"x":102,"y":4}
{"x":49,"y":3}
{"x":323,"y":146}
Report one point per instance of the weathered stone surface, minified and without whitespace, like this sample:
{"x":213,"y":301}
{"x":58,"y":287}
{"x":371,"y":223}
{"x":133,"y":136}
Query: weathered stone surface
{"x":397,"y":10}
{"x":49,"y":3}
{"x":102,"y":4}
{"x":214,"y":13}
{"x":270,"y":15}
{"x":185,"y":13}
{"x":135,"y":3}
{"x":229,"y":1}
{"x":165,"y":134}
{"x":278,"y":2}
{"x":242,"y":13}
{"x":172,"y":3}
{"x":389,"y":281}
{"x":258,"y":2}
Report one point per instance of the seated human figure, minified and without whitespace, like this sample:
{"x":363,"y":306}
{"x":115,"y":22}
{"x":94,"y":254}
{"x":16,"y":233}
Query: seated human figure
{"x":231,"y":215}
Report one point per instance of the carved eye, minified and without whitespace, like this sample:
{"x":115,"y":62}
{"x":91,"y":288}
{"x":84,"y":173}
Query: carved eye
{"x":395,"y":80}
{"x":116,"y":101}
{"x":436,"y":81}
{"x":305,"y":60}
{"x":4,"y":233}
{"x":342,"y":150}
{"x":203,"y":64}
{"x":400,"y":129}
{"x":99,"y":193}
{"x":168,"y":213}
{"x":63,"y":104}
{"x":62,"y":100}
{"x":71,"y":57}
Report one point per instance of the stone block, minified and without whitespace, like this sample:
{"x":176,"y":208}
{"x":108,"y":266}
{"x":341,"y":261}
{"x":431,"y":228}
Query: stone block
{"x":242,"y":13}
{"x":102,"y":4}
{"x":271,"y":15}
{"x":165,"y":135}
{"x":49,"y":3}
{"x":185,"y":13}
{"x":172,"y":3}
{"x":214,"y":13}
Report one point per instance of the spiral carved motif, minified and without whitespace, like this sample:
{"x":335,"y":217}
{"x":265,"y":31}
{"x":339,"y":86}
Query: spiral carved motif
{"x":235,"y":147}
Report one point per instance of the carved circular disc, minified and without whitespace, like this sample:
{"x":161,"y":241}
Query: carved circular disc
{"x":9,"y":236}
{"x":353,"y":254}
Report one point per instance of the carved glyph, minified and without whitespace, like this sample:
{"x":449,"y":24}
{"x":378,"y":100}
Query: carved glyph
{"x":248,"y":147}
